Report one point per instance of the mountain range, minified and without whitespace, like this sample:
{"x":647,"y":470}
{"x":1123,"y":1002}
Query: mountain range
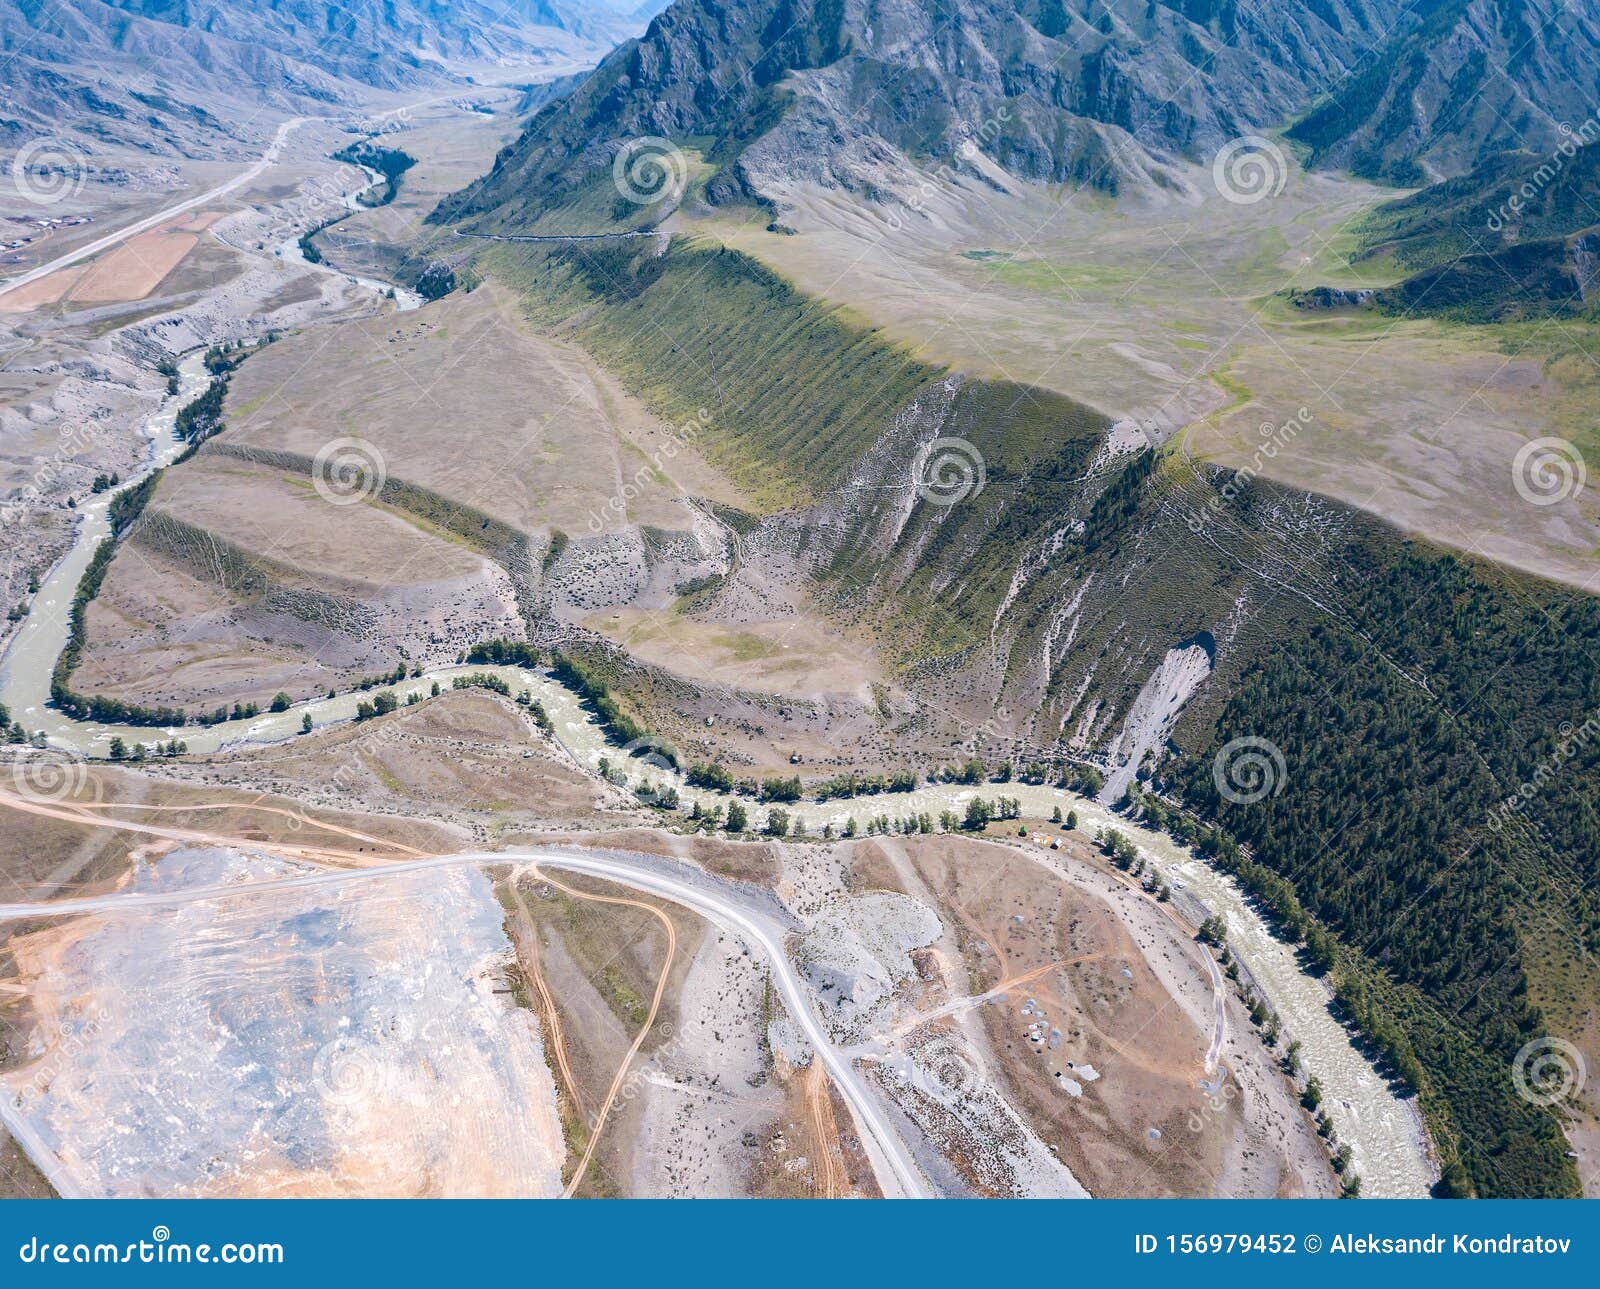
{"x":836,"y":91}
{"x":1456,"y":81}
{"x":1087,"y":582}
{"x":1116,"y":96}
{"x":160,"y":75}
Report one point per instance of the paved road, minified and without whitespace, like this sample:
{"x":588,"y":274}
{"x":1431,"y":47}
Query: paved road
{"x":897,"y":1173}
{"x":561,"y":237}
{"x":268,"y":158}
{"x":34,"y":1147}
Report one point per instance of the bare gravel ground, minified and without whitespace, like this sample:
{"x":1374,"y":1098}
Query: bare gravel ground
{"x":311,"y":1045}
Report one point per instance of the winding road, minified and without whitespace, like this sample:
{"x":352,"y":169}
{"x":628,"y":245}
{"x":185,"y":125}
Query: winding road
{"x":267,"y":159}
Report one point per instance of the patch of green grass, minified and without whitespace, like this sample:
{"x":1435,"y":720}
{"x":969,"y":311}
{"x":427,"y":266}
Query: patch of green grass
{"x":1239,"y":393}
{"x":1055,"y":276}
{"x":748,"y":647}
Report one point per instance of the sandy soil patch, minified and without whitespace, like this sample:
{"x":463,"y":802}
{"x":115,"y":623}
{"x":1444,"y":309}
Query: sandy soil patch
{"x":466,"y":756}
{"x":796,"y":656}
{"x":1092,"y":1015}
{"x":130,"y":271}
{"x":710,"y":1101}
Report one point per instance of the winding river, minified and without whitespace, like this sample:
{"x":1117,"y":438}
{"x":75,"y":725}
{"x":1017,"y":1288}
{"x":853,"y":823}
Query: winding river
{"x":1385,"y":1132}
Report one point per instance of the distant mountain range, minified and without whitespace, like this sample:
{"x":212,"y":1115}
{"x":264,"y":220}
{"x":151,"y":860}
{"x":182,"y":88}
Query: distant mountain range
{"x":159,"y":74}
{"x":865,"y":95}
{"x":1098,"y":92}
{"x":1457,"y":81}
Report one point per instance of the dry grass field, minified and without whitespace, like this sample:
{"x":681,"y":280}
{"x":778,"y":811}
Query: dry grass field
{"x":1120,"y":1099}
{"x":463,"y":398}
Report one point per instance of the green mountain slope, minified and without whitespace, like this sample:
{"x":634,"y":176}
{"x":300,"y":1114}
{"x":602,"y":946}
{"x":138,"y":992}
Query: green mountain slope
{"x":1408,"y":692}
{"x":1516,"y":237}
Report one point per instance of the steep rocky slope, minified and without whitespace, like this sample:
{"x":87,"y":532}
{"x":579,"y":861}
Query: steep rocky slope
{"x":1456,"y":81}
{"x":1073,"y":602}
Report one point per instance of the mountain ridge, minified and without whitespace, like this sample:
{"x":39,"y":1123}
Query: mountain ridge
{"x":832,"y":91}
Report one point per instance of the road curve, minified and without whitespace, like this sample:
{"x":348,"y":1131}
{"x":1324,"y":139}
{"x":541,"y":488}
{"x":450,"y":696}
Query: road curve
{"x":267,"y":159}
{"x":897,"y":1173}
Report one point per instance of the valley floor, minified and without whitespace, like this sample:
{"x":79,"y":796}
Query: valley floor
{"x":1170,"y":314}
